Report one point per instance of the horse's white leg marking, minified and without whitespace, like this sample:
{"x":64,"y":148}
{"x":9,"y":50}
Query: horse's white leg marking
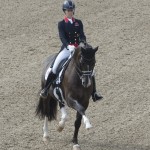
{"x":76,"y":147}
{"x":45,"y":128}
{"x":63,"y":119}
{"x":86,"y":122}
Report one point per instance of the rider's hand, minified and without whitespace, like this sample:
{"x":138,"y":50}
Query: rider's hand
{"x":71,"y":48}
{"x":82,"y":44}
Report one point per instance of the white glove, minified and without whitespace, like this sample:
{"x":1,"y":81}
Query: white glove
{"x":82,"y":44}
{"x":71,"y":48}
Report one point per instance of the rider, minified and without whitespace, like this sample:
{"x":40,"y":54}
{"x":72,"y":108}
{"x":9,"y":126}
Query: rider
{"x":71,"y":35}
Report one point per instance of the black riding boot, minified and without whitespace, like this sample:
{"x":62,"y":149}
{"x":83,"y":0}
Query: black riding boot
{"x":50,"y":79}
{"x":95,"y":96}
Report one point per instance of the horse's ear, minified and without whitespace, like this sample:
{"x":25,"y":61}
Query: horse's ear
{"x":96,"y":48}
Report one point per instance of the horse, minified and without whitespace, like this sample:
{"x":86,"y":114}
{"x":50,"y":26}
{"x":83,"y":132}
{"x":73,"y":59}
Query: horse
{"x":75,"y":90}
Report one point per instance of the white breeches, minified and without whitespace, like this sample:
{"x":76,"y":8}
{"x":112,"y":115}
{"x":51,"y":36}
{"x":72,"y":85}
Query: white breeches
{"x":62,"y":55}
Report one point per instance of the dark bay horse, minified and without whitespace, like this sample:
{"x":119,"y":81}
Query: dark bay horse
{"x":75,"y":90}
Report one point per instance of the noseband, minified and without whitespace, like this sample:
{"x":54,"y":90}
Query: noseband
{"x":83,"y":74}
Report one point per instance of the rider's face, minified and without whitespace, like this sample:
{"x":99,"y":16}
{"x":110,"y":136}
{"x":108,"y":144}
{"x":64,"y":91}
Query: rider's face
{"x":69,"y":13}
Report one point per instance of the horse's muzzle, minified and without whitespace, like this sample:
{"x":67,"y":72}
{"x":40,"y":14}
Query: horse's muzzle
{"x":86,"y":81}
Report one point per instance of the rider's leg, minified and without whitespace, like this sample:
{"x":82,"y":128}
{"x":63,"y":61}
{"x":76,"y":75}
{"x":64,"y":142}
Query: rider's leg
{"x":51,"y":77}
{"x":95,"y":96}
{"x":62,"y":55}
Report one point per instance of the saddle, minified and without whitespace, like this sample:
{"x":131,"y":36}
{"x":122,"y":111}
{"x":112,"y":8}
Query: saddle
{"x":60,"y":69}
{"x":59,"y":78}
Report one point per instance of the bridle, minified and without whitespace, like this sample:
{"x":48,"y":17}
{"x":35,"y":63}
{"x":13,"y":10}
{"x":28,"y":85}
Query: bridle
{"x":83,"y":74}
{"x":87,"y":73}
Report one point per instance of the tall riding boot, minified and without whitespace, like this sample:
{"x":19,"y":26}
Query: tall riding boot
{"x":95,"y":96}
{"x":50,"y":79}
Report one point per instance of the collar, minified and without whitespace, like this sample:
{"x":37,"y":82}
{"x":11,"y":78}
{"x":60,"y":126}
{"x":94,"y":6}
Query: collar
{"x":66,"y":19}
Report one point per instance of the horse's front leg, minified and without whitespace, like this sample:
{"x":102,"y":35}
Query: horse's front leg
{"x":45,"y":130}
{"x":79,"y":108}
{"x":63,"y":117}
{"x":77,"y":125}
{"x":80,"y":113}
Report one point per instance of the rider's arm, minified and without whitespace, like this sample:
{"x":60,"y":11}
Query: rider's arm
{"x":82,"y":35}
{"x":62,"y":34}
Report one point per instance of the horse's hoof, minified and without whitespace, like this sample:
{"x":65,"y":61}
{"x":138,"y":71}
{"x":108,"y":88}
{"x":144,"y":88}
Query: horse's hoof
{"x":61,"y":126}
{"x":59,"y":129}
{"x":76,"y":147}
{"x":46,"y":140}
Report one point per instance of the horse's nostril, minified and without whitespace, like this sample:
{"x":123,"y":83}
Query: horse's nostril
{"x":83,"y":82}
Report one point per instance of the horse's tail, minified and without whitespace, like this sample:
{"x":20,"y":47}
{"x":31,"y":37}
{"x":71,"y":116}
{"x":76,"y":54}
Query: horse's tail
{"x":47,"y":108}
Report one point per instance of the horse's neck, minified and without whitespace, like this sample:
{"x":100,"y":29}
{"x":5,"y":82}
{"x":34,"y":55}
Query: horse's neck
{"x":71,"y":71}
{"x":71,"y":75}
{"x":72,"y":66}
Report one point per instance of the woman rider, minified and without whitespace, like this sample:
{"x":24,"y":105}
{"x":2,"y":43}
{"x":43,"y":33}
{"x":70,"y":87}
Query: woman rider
{"x":71,"y":35}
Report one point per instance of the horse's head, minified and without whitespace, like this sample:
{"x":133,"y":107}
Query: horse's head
{"x":86,"y":63}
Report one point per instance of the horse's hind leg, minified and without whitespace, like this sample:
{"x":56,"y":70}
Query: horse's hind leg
{"x":45,"y":130}
{"x":48,"y":109}
{"x":63,"y":117}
